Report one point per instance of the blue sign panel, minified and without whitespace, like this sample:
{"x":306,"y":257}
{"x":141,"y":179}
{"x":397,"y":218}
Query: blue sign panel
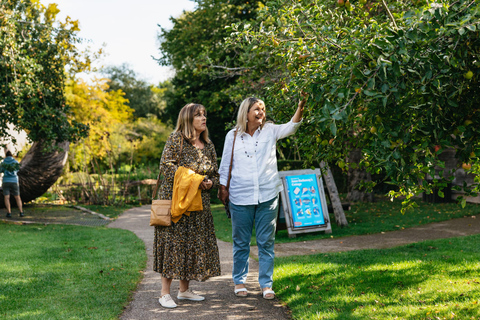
{"x":305,"y":200}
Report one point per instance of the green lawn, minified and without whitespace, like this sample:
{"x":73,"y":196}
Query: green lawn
{"x":75,"y":272}
{"x":430,"y":280}
{"x":364,"y":218}
{"x":67,"y":272}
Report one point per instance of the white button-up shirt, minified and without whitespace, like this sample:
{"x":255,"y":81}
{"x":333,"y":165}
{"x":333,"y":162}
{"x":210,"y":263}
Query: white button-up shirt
{"x":255,"y":176}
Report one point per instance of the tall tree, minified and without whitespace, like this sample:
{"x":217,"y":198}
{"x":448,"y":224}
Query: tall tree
{"x":194,"y":43}
{"x":36,"y":51}
{"x":144,"y":98}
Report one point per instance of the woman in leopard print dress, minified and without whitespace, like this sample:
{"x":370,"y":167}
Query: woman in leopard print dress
{"x":187,"y":250}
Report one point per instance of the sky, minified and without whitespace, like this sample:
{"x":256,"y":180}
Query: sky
{"x":129,"y":28}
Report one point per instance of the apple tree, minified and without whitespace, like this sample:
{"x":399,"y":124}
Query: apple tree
{"x":36,"y":52}
{"x":389,"y":79}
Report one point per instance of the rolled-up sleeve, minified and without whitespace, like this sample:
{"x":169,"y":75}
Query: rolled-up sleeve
{"x":284,"y":130}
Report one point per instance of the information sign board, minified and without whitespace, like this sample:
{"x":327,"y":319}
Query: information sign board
{"x":303,"y":202}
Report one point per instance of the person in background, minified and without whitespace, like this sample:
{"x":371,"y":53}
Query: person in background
{"x":9,"y":167}
{"x":254,"y":188}
{"x":187,"y":250}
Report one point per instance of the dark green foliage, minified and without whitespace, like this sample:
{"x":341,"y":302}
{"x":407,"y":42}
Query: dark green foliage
{"x":9,"y":167}
{"x":145,"y":99}
{"x":392,"y":78}
{"x":192,"y":46}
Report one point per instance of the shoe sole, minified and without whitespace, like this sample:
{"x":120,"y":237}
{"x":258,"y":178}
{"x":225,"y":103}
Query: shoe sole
{"x":169,"y":307}
{"x":181,"y":298}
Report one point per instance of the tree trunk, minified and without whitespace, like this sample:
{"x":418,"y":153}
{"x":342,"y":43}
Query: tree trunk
{"x":355,"y":176}
{"x":340,"y":218}
{"x":39,"y":170}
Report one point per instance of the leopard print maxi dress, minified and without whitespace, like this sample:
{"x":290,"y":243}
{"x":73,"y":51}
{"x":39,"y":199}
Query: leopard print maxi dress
{"x":187,"y":250}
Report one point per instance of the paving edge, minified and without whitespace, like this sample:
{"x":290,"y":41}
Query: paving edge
{"x":92,"y":212}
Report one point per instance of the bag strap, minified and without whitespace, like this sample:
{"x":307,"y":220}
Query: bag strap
{"x":231,"y":161}
{"x":160,"y":174}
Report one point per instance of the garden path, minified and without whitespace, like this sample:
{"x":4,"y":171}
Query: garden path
{"x":220,"y":302}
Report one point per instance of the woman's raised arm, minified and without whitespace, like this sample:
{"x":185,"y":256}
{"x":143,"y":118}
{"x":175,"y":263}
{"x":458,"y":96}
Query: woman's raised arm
{"x":297,"y":117}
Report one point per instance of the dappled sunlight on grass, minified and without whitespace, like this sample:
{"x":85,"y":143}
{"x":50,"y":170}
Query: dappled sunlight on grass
{"x":410,"y":282}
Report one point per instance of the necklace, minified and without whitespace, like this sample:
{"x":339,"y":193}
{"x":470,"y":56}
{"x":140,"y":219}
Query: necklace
{"x":246,"y":152}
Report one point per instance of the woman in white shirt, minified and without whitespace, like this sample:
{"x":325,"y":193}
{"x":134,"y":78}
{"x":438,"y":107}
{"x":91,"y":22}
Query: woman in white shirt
{"x":254,"y":188}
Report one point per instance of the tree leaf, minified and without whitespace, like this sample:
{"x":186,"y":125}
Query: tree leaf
{"x":471,"y":27}
{"x":333,"y":128}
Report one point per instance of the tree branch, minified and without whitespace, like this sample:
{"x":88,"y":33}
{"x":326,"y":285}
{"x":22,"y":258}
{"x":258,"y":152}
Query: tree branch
{"x":232,"y":69}
{"x":389,"y":14}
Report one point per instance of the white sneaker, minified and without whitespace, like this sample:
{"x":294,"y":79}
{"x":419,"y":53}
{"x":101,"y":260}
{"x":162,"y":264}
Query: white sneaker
{"x":189,"y":295}
{"x":167,"y":302}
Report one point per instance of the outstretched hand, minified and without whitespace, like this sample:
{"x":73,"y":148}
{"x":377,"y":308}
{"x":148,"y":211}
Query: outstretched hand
{"x":302,"y":102}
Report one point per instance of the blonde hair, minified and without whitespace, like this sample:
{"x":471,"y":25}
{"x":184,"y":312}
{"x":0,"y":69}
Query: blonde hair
{"x":185,"y":122}
{"x":242,"y":115}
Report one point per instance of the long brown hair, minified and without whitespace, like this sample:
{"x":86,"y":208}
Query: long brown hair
{"x":185,"y":122}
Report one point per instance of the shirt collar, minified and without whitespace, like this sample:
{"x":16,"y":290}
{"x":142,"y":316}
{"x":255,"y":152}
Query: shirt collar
{"x":256,"y":133}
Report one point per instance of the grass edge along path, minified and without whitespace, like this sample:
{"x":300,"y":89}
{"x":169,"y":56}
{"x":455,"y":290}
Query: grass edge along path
{"x":364,"y":218}
{"x":437,"y":279}
{"x":67,"y":272}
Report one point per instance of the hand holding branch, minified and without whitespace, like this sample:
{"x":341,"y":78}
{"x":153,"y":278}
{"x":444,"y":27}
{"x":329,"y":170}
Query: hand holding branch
{"x":299,"y":113}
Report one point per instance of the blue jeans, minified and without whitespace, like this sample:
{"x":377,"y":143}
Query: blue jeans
{"x":264,"y":215}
